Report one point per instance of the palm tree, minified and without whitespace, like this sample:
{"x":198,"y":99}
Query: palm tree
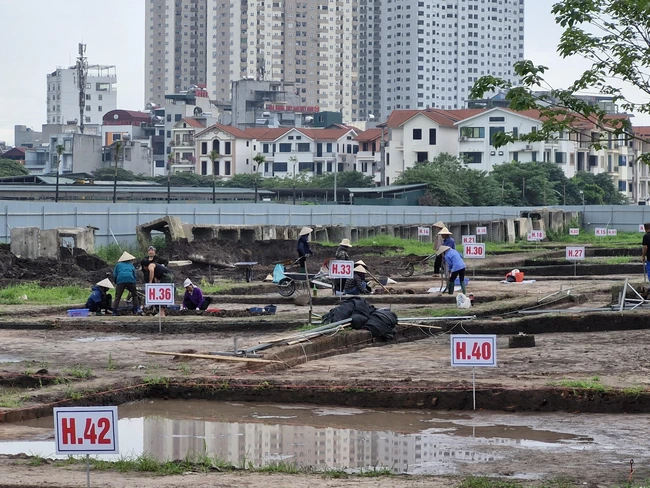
{"x":118,"y":146}
{"x":260,"y":160}
{"x":214,"y":155}
{"x":170,"y":161}
{"x":59,"y":151}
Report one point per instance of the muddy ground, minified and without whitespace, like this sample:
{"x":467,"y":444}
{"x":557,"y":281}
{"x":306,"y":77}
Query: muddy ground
{"x":609,"y":346}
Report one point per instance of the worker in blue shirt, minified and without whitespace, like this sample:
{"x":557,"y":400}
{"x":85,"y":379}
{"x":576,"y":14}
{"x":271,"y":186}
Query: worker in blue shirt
{"x":447,"y":239}
{"x":456,"y":267}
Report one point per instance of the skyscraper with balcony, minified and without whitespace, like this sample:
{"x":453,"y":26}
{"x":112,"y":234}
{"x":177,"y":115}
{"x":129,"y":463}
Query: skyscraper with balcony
{"x":433,"y":51}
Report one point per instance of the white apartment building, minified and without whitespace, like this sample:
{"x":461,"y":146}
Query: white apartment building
{"x":235,"y":149}
{"x":311,"y":44}
{"x":63,"y":96}
{"x":176,"y":47}
{"x":432,"y":52}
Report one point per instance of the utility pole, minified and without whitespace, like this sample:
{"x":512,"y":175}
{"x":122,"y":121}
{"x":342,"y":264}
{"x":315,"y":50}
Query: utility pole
{"x":82,"y":72}
{"x":382,"y":148}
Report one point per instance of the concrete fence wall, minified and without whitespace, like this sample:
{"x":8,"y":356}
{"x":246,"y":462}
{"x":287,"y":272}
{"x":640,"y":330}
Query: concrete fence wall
{"x":119,"y":221}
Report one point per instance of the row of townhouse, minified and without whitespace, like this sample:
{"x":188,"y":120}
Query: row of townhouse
{"x":409,"y":136}
{"x":286,"y":151}
{"x":412,"y":136}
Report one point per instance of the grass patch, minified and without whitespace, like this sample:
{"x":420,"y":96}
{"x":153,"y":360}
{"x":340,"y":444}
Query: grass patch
{"x":483,"y":482}
{"x":112,"y":252}
{"x":80,"y":372}
{"x":592,"y":383}
{"x":281,"y":467}
{"x":407,"y":246}
{"x":441,"y":312}
{"x":10,"y":399}
{"x":210,"y":288}
{"x":38,"y":295}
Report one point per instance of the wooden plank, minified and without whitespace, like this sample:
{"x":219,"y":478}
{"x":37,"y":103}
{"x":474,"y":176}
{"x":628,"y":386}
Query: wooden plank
{"x":211,"y":356}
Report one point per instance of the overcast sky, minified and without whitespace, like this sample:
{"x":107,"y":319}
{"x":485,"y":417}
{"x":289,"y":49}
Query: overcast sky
{"x":37,"y":36}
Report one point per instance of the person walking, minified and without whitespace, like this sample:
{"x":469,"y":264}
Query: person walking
{"x":303,"y":247}
{"x":342,"y":253}
{"x":193,"y":298}
{"x":437,"y":242}
{"x":456,"y":267}
{"x":124,"y":276}
{"x":100,"y":301}
{"x":644,"y":253}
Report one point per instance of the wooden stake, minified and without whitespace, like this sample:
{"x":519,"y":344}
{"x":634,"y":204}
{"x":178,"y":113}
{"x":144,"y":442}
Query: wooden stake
{"x":211,"y":356}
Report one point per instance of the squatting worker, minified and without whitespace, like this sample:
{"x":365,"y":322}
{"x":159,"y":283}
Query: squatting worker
{"x":646,"y":245}
{"x":100,"y":300}
{"x":357,"y":285}
{"x":456,"y":267}
{"x":193,"y":298}
{"x":152,"y":257}
{"x":158,"y":273}
{"x":437,"y":242}
{"x":124,"y":276}
{"x":303,"y":247}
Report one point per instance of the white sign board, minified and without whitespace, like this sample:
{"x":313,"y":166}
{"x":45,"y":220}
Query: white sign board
{"x":600,"y":231}
{"x":611,"y":232}
{"x":341,"y":269}
{"x":574,"y":231}
{"x":424,"y":231}
{"x":641,"y":228}
{"x":159,"y":294}
{"x":481,"y":231}
{"x":469,"y":239}
{"x":575,"y":253}
{"x":535,"y":235}
{"x":86,"y":430}
{"x":474,"y":251}
{"x":473,"y":350}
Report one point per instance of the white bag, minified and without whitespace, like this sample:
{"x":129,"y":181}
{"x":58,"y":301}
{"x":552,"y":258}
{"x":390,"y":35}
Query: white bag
{"x":463,"y":301}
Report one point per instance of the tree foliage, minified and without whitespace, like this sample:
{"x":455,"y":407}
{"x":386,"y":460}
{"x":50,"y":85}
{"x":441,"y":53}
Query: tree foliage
{"x":452,"y":183}
{"x":108,"y":174}
{"x":9,"y":167}
{"x":614,"y":35}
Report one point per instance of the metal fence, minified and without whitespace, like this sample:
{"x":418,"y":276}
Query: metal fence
{"x":121,"y":219}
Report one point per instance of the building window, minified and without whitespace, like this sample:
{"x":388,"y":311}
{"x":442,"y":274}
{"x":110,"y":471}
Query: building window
{"x":99,"y":108}
{"x":204,"y":148}
{"x":305,"y":166}
{"x":204,"y":168}
{"x":226,"y":170}
{"x":422,"y":156}
{"x":515,"y":156}
{"x":303,"y":147}
{"x":472,"y":157}
{"x":534,"y":156}
{"x":265,"y":148}
{"x":417,"y":134}
{"x":622,"y":185}
{"x":432,"y":137}
{"x":87,"y":108}
{"x":285,"y":147}
{"x":279,"y":167}
{"x":494,"y":131}
{"x":215,"y":168}
{"x":497,"y":119}
{"x":560,"y":157}
{"x":227,"y":148}
{"x":473,"y":132}
{"x":622,"y":160}
{"x":329,"y":147}
{"x":88,"y":97}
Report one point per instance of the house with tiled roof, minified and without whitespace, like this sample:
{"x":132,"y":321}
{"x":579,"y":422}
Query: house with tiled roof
{"x":234,"y":146}
{"x":182,"y":146}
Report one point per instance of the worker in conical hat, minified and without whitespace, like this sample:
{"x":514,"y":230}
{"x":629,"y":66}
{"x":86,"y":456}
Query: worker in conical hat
{"x":303,"y":247}
{"x":343,"y":251}
{"x":124,"y":276}
{"x":456,"y":267}
{"x":357,"y":285}
{"x":99,"y":301}
{"x":437,"y":242}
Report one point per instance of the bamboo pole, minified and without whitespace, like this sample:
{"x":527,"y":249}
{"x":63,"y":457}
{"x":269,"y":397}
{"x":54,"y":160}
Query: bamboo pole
{"x":211,"y":356}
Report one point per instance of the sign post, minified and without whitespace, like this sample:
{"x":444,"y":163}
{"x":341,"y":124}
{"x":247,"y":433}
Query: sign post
{"x":86,"y":430}
{"x":341,"y":270}
{"x":474,"y":351}
{"x":600,"y":231}
{"x":159,"y":294}
{"x":575,"y":254}
{"x":574,"y":231}
{"x":474,"y":251}
{"x":481,"y":231}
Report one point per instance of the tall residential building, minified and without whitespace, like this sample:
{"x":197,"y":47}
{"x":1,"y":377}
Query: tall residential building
{"x":63,"y":95}
{"x":310,"y":43}
{"x":176,"y":46}
{"x":432,"y":52}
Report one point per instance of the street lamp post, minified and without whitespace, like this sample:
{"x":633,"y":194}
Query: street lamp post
{"x":294,"y":160}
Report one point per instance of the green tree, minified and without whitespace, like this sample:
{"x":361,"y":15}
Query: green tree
{"x":532,"y":183}
{"x":9,"y":167}
{"x":451,"y":183}
{"x":598,"y":189}
{"x":344,"y":179}
{"x":614,"y":35}
{"x":214,"y":156}
{"x":105,"y":174}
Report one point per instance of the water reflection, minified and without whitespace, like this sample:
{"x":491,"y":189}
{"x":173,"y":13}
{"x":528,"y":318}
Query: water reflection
{"x":342,"y":438}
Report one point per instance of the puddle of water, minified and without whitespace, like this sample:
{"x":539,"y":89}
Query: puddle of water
{"x":107,"y":339}
{"x":417,"y":442}
{"x":9,"y":359}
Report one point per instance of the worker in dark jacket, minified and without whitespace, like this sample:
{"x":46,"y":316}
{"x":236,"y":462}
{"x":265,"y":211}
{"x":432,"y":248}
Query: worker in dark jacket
{"x":158,"y":273}
{"x":99,"y":300}
{"x":357,"y":285}
{"x":193,"y":298}
{"x":456,"y":267}
{"x":152,"y":257}
{"x":303,"y":247}
{"x":343,"y":251}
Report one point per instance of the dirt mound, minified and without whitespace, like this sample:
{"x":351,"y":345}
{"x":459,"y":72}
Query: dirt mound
{"x":76,"y":266}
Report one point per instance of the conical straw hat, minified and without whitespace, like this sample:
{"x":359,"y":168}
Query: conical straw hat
{"x":126,"y":257}
{"x":106,"y":283}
